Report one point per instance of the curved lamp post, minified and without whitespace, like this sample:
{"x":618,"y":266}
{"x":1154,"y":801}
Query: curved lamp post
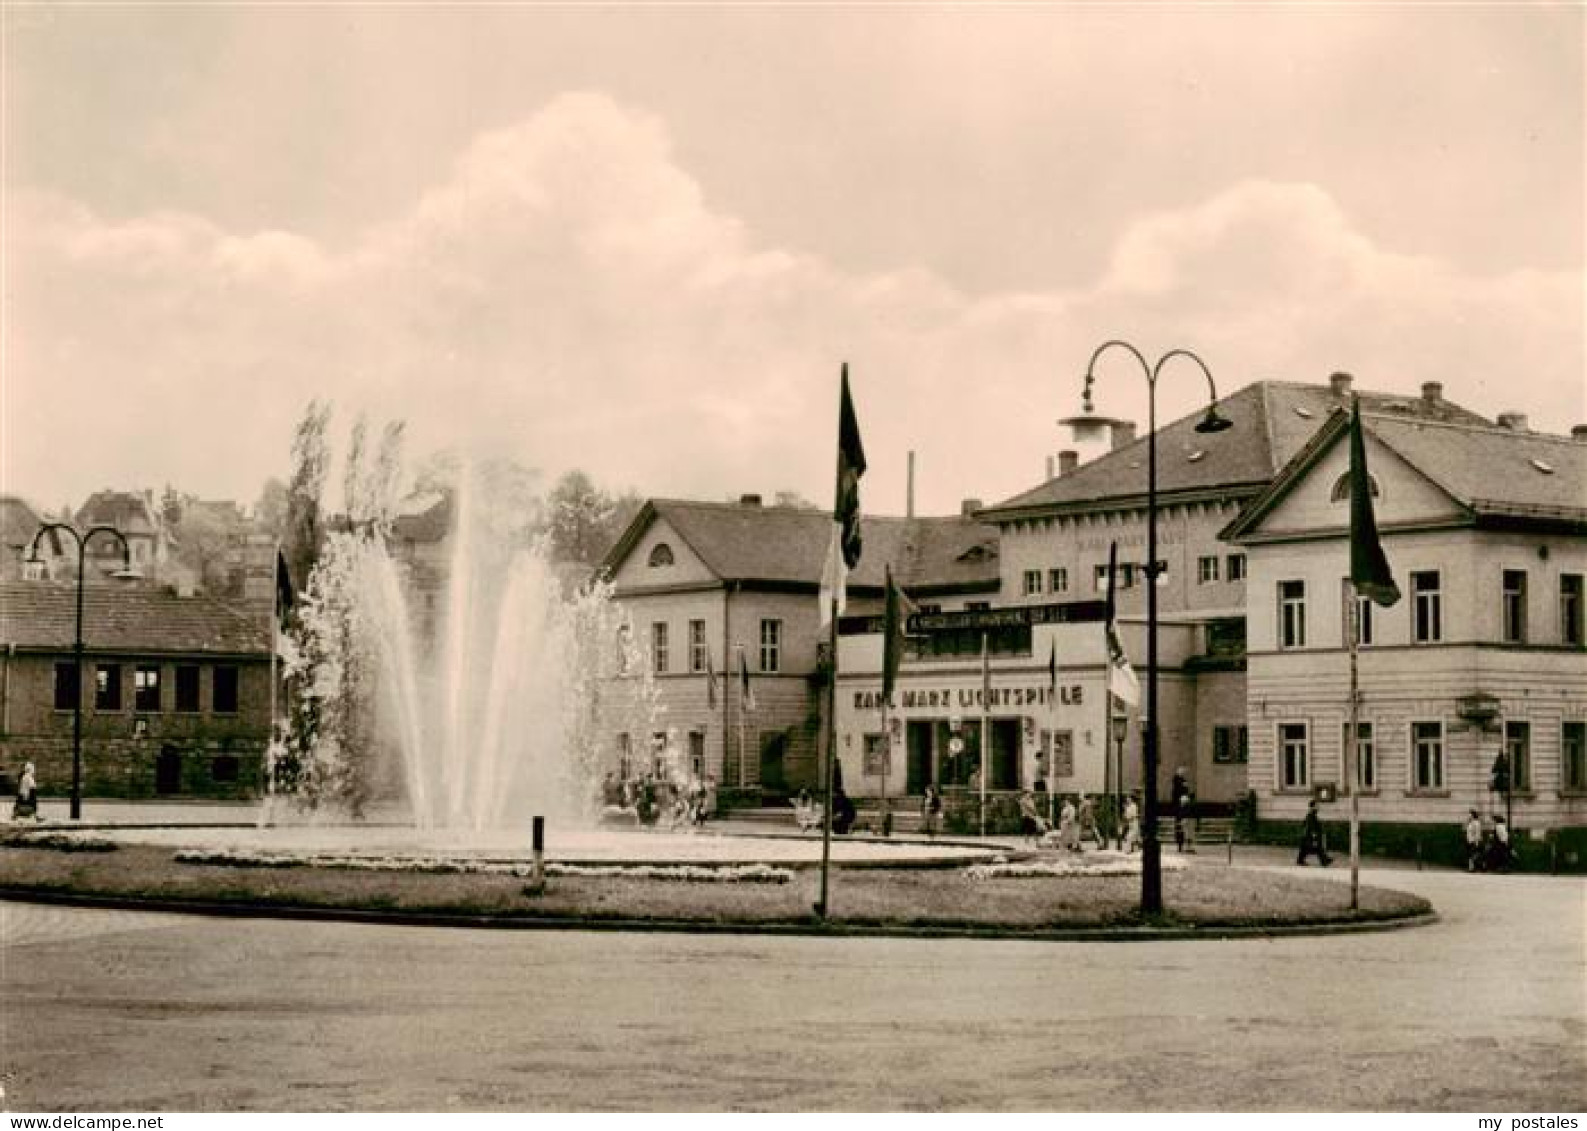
{"x":1151,"y":851}
{"x":82,"y":541}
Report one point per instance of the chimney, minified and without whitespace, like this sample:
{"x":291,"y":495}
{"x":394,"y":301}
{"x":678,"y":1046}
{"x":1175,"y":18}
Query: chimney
{"x":1514,"y":421}
{"x":909,"y":497}
{"x":1339,"y":385}
{"x":1432,"y":392}
{"x":1123,"y":433}
{"x":749,"y":500}
{"x":1579,"y":433}
{"x":969,"y":507}
{"x":1051,"y":470}
{"x":1068,"y":460}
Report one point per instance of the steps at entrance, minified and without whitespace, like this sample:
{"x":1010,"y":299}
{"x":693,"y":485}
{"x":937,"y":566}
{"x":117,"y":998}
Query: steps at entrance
{"x":1205,"y":830}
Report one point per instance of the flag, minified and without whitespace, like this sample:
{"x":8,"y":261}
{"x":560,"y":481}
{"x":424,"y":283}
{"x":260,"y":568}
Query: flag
{"x":1052,"y":672}
{"x":843,"y":552}
{"x":710,"y":681}
{"x":285,"y":597}
{"x":746,"y":694}
{"x":1121,"y":676}
{"x":1369,"y":569}
{"x":894,"y":622}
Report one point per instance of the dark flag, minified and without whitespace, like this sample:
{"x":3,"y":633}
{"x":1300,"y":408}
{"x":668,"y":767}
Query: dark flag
{"x":1052,"y":672}
{"x":710,"y":681}
{"x":285,"y":596}
{"x":1121,"y":676}
{"x":1369,"y":569}
{"x":894,"y":623}
{"x":746,"y":694}
{"x":843,"y":554}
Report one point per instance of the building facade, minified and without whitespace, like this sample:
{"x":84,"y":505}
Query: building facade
{"x":174,"y":691}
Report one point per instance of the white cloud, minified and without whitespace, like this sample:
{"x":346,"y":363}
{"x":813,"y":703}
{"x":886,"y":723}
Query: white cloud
{"x":564,"y":293}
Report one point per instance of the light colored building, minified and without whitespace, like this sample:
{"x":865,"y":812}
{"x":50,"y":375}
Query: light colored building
{"x":731,"y":590}
{"x":1485,"y":529}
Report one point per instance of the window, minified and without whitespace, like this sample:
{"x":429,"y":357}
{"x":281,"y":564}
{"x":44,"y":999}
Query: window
{"x":1058,"y":579}
{"x":771,"y":645}
{"x":1518,"y":745}
{"x":625,"y":757}
{"x":1366,"y":755}
{"x":1292,"y":614}
{"x":1427,"y":753}
{"x":660,"y":555}
{"x":658,"y":647}
{"x":1234,"y":567}
{"x":697,"y":650}
{"x":697,"y":753}
{"x":225,"y":690}
{"x":146,"y":687}
{"x":1294,"y":756}
{"x":1230,"y":745}
{"x":1428,"y":608}
{"x":1514,"y":606}
{"x":107,"y":687}
{"x":187,"y":688}
{"x":66,"y":687}
{"x":1570,"y":609}
{"x":1031,"y":582}
{"x":1207,"y":569}
{"x":877,"y":753}
{"x":1099,"y":578}
{"x":1573,"y":756}
{"x":1341,"y":491}
{"x":1363,"y":624}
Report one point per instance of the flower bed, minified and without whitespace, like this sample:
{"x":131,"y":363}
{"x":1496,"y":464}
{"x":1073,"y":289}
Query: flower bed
{"x":1095,"y":864}
{"x":677,"y":873}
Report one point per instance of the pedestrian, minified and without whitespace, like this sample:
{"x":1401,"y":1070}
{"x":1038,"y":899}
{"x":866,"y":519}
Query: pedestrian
{"x":931,"y":809}
{"x":27,"y":802}
{"x":1132,"y":825}
{"x":1179,"y":793}
{"x":1311,"y":838}
{"x":1501,"y":845}
{"x":1032,"y":825}
{"x":1088,"y":821}
{"x":1069,"y":827}
{"x":1473,"y":842}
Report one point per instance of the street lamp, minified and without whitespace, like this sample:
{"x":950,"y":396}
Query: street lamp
{"x":125,"y":572}
{"x":1151,"y":851}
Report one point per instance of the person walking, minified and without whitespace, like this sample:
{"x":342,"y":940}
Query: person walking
{"x":1069,"y":826}
{"x":1311,"y":838}
{"x":26,"y":805}
{"x":1473,"y":842}
{"x":931,"y":809}
{"x":1132,"y":825}
{"x":1088,"y":821}
{"x":1180,"y":795}
{"x":1501,"y":844}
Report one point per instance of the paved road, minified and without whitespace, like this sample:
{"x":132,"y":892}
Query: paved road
{"x":1485,"y":1011}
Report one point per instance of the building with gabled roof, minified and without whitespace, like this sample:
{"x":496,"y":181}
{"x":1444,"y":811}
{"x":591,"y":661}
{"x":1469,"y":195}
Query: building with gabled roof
{"x":1485,"y":654}
{"x":174,"y":691}
{"x":135,"y":515}
{"x":724,"y":599}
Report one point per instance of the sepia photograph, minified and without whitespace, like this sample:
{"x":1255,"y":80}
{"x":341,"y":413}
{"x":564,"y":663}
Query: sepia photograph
{"x":865,"y":559}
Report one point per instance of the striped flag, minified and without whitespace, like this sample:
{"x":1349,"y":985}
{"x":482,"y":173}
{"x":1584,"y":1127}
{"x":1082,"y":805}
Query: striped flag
{"x":894,"y":622}
{"x":843,"y":551}
{"x":1121,"y":676}
{"x":1369,"y":568}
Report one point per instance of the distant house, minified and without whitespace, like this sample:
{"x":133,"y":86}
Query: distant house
{"x":730,"y":590}
{"x":19,"y":525}
{"x":1485,"y":529}
{"x":174,"y":691}
{"x":136,"y":517}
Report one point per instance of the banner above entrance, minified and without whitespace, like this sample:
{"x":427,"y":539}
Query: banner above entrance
{"x":1015,"y":616}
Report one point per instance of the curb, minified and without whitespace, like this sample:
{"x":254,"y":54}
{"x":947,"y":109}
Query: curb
{"x":811,"y":928}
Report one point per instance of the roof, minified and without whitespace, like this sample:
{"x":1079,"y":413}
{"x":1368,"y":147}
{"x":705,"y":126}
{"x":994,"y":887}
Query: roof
{"x":127,"y":511}
{"x":19,"y":522}
{"x":1273,"y":420}
{"x":1493,"y":473}
{"x":41,"y":615}
{"x":739,"y":542}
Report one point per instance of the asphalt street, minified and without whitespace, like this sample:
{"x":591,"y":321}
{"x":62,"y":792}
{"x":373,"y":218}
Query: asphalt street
{"x":123,"y":1011}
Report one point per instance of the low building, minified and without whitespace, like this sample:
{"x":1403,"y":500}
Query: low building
{"x":724,"y":599}
{"x":174,"y":691}
{"x":1485,"y":529}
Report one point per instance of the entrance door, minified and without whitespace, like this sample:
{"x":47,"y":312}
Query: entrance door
{"x":168,"y":771}
{"x":1005,"y":754}
{"x":773,"y":772}
{"x":917,"y":743}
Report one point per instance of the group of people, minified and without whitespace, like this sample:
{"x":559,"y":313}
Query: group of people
{"x":809,"y":813}
{"x":1487,"y":850}
{"x":656,"y":799}
{"x":1077,"y":823}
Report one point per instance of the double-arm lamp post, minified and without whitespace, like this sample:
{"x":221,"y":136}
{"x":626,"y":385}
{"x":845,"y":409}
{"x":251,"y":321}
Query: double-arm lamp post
{"x":82,"y":541}
{"x":1151,"y":850}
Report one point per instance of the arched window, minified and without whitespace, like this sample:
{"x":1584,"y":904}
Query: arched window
{"x":1341,"y":491}
{"x":661,"y":555}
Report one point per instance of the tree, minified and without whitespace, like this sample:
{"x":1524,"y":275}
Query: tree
{"x":270,"y":511}
{"x":304,"y":528}
{"x":580,"y":517}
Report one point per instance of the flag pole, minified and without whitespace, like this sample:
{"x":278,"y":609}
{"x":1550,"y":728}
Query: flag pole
{"x":743,"y":772}
{"x":1353,"y":747}
{"x":832,"y":755}
{"x":986,"y":707}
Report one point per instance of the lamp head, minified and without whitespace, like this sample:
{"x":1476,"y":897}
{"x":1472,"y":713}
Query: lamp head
{"x":1212,"y":422}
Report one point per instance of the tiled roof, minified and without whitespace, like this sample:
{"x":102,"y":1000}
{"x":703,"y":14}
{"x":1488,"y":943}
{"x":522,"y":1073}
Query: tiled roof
{"x":126,"y":618}
{"x":1272,"y":421}
{"x":789,"y":545}
{"x":128,"y":511}
{"x":19,"y":522}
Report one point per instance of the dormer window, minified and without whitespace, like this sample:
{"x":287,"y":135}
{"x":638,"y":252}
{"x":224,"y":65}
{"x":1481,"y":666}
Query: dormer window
{"x":660,"y":555}
{"x":1341,"y":491}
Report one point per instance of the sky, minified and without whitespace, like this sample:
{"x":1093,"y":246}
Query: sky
{"x":642,"y":240}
